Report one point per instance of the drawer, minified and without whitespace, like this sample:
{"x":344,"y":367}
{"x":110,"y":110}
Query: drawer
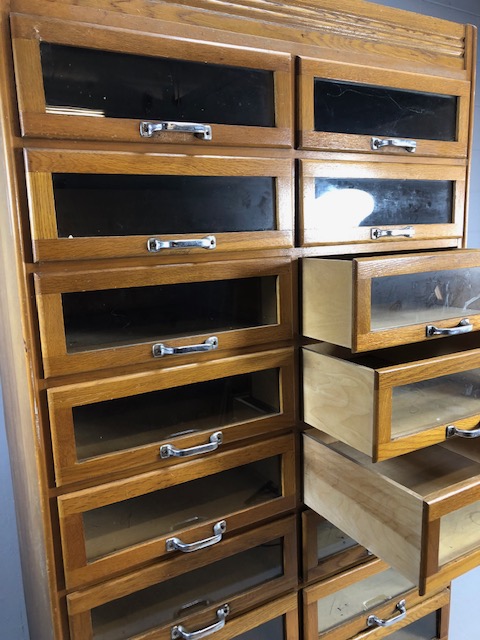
{"x":89,"y":205}
{"x":347,"y":107}
{"x":372,"y":601}
{"x":180,"y":510}
{"x":377,"y":203}
{"x":162,"y":417}
{"x":372,"y":303}
{"x":98,"y":319}
{"x":394,"y":401}
{"x":327,"y":551}
{"x":84,"y":81}
{"x":250,"y":569}
{"x":418,"y":512}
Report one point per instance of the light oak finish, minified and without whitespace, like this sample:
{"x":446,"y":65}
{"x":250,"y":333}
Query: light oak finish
{"x":317,"y":226}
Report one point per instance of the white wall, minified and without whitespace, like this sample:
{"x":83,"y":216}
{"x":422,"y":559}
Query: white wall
{"x":465,"y":625}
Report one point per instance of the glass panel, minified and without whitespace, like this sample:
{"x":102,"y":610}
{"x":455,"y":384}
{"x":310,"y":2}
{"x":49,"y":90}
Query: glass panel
{"x":331,"y":540}
{"x":423,"y":629}
{"x":342,"y":107}
{"x":459,"y":533}
{"x":115,"y":425}
{"x":118,"y":317}
{"x":426,"y":404}
{"x":364,"y":202}
{"x":416,"y":298}
{"x":271,"y":630}
{"x":166,"y":602}
{"x":343,"y":605}
{"x":117,"y":526}
{"x":124,"y":205}
{"x":120,"y":85}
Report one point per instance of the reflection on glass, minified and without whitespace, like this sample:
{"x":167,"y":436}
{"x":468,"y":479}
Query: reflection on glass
{"x":459,"y":533}
{"x":330,"y":540}
{"x":364,"y":202}
{"x":116,"y":425}
{"x":343,"y":605}
{"x":117,"y":317}
{"x":380,"y":111}
{"x":121,"y":205}
{"x":167,"y":602}
{"x":424,"y":297}
{"x":120,"y":85}
{"x":423,"y":629}
{"x":117,"y":526}
{"x":426,"y":404}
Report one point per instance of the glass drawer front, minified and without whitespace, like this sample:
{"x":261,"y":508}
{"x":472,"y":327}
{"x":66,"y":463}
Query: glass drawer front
{"x":166,"y":602}
{"x":330,"y":540}
{"x":353,"y":108}
{"x":422,"y":297}
{"x":271,"y":630}
{"x":423,"y":629}
{"x":86,"y":81}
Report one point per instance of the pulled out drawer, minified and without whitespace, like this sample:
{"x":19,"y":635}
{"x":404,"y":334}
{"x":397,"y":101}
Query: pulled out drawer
{"x":418,"y":512}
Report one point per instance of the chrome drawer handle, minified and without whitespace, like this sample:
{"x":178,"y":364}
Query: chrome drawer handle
{"x":178,"y":631}
{"x":408,"y":145}
{"x":373,"y":621}
{"x":159,"y":350}
{"x":406,"y":232}
{"x":452,"y":430}
{"x":148,"y":129}
{"x":175,"y":544}
{"x":168,"y":450}
{"x":154,"y":245}
{"x":463,"y":326}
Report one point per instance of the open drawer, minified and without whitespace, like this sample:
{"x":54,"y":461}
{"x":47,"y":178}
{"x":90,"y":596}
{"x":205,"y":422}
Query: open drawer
{"x":372,"y":601}
{"x":393,"y":401}
{"x":252,"y":568}
{"x":383,"y":301}
{"x":96,"y":319}
{"x":418,"y":512}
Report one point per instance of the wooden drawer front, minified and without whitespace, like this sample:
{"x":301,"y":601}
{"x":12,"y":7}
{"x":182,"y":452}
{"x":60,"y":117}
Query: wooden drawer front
{"x":373,"y":202}
{"x":340,"y":608}
{"x":117,"y":525}
{"x":327,"y":551}
{"x":390,"y":407}
{"x":347,"y":107}
{"x":246,"y":571}
{"x":87,"y":82}
{"x":372,"y":303}
{"x":91,"y":205}
{"x":417,"y":512}
{"x":161,"y":417}
{"x":100,"y":319}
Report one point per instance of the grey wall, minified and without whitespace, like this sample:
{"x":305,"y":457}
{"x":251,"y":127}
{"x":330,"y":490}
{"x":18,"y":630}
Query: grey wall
{"x":465,"y":624}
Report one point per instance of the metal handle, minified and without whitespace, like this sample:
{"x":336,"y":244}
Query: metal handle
{"x":408,"y":145}
{"x":203,"y":131}
{"x":154,"y":245}
{"x":406,"y":232}
{"x":373,"y":621}
{"x":175,"y":544}
{"x":178,"y":631}
{"x":463,"y":326}
{"x":159,"y":350}
{"x":452,"y":430}
{"x":215,"y":440}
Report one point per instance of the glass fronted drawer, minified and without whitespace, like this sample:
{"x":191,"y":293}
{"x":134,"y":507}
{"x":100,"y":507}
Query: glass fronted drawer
{"x":380,"y":203}
{"x":158,"y":418}
{"x":169,"y":512}
{"x":394,"y":401}
{"x":346,"y":107}
{"x":376,"y":302}
{"x":372,"y":601}
{"x":418,"y":512}
{"x":250,"y":569}
{"x":84,"y":81}
{"x":327,"y":551}
{"x":90,"y":205}
{"x":96,"y":319}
